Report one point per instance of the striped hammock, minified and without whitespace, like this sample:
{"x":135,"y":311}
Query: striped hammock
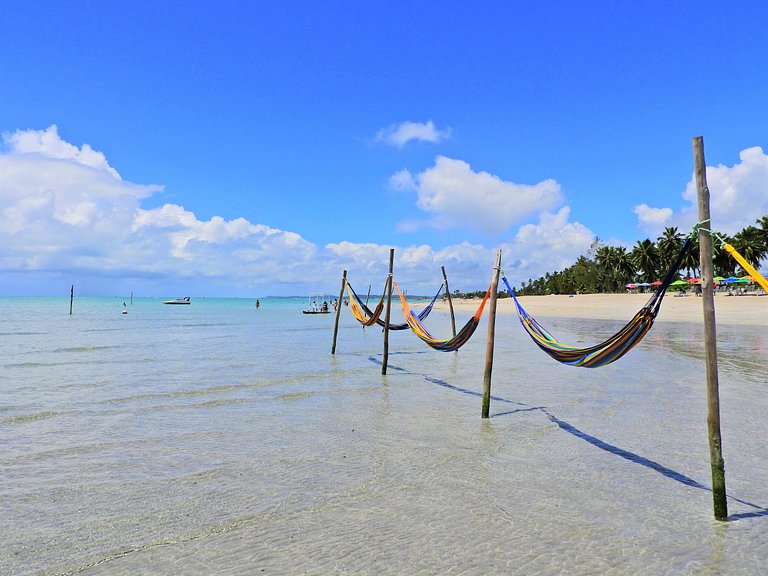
{"x":450,"y":344}
{"x":356,"y":305}
{"x":611,"y":349}
{"x":365,"y":314}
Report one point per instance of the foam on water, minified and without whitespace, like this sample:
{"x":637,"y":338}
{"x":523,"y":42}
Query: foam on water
{"x":217,"y":439}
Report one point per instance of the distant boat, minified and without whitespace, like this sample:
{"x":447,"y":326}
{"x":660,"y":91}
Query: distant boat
{"x":318,"y":304}
{"x":184,"y":300}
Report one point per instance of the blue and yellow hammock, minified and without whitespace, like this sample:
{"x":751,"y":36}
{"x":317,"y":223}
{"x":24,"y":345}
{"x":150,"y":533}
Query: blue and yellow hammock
{"x":611,"y":349}
{"x":449,"y":344}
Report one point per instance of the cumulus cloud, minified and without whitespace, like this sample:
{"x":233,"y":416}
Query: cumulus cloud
{"x":398,"y":135}
{"x":652,"y":218}
{"x":63,"y":207}
{"x":65,"y":210}
{"x":456,"y":196}
{"x":738,"y":196}
{"x":554,"y":243}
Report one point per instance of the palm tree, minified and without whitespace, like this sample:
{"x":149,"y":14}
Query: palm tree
{"x":749,"y":243}
{"x":645,"y":257}
{"x":669,"y":244}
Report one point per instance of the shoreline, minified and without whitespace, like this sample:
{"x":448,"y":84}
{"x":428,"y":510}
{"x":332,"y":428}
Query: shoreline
{"x":747,"y":310}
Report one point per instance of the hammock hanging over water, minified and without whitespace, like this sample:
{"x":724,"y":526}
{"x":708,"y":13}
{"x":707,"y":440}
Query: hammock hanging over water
{"x":614,"y":347}
{"x":356,"y":305}
{"x":450,"y":344}
{"x":368,"y":317}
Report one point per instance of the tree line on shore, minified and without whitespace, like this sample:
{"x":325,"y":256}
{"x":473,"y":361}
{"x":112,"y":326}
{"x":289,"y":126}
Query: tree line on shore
{"x":605,"y":268}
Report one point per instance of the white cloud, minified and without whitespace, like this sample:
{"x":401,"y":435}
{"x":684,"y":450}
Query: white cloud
{"x":402,"y":180}
{"x":652,"y":218}
{"x":399,"y":135}
{"x":48,"y":143}
{"x":64,"y":208}
{"x":738,"y":196}
{"x":456,"y":197}
{"x":553,"y":244}
{"x":63,"y":211}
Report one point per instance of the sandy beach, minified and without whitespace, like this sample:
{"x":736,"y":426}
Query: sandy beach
{"x":748,"y":310}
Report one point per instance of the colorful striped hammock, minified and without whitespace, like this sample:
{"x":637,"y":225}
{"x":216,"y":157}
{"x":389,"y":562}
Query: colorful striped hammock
{"x":356,"y":305}
{"x":450,"y":344}
{"x":611,"y":349}
{"x":368,"y":317}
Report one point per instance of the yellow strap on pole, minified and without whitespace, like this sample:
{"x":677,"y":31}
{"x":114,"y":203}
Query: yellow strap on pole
{"x":747,"y":266}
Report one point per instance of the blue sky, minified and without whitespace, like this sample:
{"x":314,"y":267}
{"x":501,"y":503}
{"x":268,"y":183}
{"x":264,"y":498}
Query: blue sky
{"x":258,"y":148}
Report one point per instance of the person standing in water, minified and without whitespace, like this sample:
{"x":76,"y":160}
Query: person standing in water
{"x":257,"y":304}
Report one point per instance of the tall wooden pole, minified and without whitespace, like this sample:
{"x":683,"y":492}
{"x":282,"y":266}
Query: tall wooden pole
{"x":450,"y":302}
{"x":339,"y":303}
{"x":710,"y":335}
{"x":491,"y":337}
{"x":71,"y":298}
{"x":386,"y":315}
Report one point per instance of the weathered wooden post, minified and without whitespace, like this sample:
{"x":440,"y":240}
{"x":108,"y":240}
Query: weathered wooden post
{"x":450,"y":302}
{"x":71,"y":298}
{"x":339,"y":303}
{"x":710,"y":335}
{"x":491,"y":337}
{"x":386,"y":314}
{"x":368,"y":295}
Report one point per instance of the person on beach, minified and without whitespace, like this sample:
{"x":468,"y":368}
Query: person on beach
{"x":257,"y":304}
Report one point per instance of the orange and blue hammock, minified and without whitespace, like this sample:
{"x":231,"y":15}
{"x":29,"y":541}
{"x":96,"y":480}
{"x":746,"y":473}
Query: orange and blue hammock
{"x":449,"y":344}
{"x":611,"y":349}
{"x":368,"y":317}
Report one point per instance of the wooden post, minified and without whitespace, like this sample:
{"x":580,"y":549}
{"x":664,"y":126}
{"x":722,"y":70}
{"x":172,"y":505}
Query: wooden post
{"x":491,"y":337}
{"x":339,"y":304}
{"x":387,"y":313}
{"x":71,"y":298}
{"x":710,"y":335}
{"x":450,"y":302}
{"x":368,"y":295}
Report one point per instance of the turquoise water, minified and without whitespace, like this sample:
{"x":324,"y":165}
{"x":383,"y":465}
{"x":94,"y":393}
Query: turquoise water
{"x":218,"y":439}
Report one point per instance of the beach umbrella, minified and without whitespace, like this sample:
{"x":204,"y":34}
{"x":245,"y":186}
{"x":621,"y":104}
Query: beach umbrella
{"x":742,"y":281}
{"x":746,"y":278}
{"x":656,"y":283}
{"x":631,"y":285}
{"x":718,"y":278}
{"x":643,"y":284}
{"x":694,"y":280}
{"x":679,"y":283}
{"x":729,"y":280}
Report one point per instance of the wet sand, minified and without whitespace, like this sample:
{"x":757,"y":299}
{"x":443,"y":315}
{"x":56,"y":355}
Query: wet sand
{"x":740,"y":310}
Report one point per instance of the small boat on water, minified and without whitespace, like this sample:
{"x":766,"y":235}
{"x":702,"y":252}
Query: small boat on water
{"x":318,"y":304}
{"x":184,"y":300}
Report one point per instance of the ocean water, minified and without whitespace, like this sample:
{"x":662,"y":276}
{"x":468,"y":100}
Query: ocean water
{"x":218,"y":439}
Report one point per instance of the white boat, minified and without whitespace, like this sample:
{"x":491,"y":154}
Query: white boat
{"x":184,"y":300}
{"x":318,"y":304}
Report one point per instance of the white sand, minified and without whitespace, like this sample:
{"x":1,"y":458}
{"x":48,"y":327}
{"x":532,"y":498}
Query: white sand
{"x":742,"y":310}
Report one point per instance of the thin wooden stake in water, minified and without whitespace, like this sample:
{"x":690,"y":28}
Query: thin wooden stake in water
{"x":450,"y":302}
{"x":386,"y":315}
{"x":491,"y":337}
{"x":71,"y":298}
{"x":710,"y":335}
{"x":339,"y":303}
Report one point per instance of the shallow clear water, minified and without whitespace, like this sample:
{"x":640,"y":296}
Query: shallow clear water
{"x":217,"y":439}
